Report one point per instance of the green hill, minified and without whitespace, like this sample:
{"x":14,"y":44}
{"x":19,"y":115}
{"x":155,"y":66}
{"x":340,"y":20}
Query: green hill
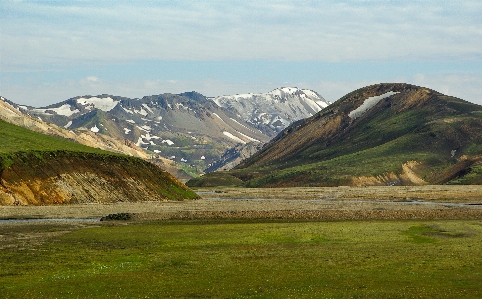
{"x":15,"y":139}
{"x":384,"y":134}
{"x":40,"y":169}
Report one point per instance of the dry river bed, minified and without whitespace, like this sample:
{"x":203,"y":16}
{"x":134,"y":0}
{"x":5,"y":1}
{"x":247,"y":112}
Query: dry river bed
{"x":332,"y":203}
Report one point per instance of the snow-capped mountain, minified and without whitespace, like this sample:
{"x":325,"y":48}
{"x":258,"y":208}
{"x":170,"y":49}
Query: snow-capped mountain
{"x":273,"y":111}
{"x":188,"y":128}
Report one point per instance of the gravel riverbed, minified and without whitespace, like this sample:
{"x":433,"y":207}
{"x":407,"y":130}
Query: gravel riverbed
{"x":340,"y":203}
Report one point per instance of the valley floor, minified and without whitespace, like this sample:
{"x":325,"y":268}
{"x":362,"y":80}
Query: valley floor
{"x":379,"y":242}
{"x":337,"y":203}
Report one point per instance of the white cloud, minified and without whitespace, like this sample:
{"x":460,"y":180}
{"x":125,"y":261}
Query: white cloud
{"x":92,"y":79}
{"x":39,"y":38}
{"x":36,"y":33}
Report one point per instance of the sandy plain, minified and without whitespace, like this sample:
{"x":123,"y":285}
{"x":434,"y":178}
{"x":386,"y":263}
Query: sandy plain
{"x":332,"y":203}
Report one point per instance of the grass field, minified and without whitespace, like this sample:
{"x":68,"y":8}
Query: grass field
{"x":243,"y":259}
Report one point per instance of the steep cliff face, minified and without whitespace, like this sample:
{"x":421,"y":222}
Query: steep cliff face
{"x":64,"y":177}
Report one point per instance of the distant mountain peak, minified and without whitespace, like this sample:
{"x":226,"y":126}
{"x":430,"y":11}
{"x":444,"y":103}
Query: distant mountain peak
{"x":271,"y":112}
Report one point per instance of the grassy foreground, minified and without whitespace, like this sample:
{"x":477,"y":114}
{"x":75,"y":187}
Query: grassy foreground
{"x":245,"y":259}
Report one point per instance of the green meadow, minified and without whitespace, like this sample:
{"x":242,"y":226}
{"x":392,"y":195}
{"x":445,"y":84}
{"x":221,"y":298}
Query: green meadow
{"x":243,"y":259}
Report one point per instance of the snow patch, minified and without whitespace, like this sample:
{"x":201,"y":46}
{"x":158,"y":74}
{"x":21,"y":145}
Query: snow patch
{"x":218,"y":116}
{"x":95,"y":129}
{"x":247,"y":137}
{"x":68,"y":125}
{"x":322,"y":104}
{"x":313,"y":105}
{"x":145,"y":128}
{"x":104,"y":104}
{"x":65,"y":110}
{"x":169,"y":142}
{"x":240,"y":124}
{"x":141,"y":112}
{"x":128,"y":111}
{"x":148,"y":108}
{"x":237,"y":139}
{"x":140,"y":142}
{"x":180,"y":106}
{"x":368,"y":104}
{"x":149,"y":137}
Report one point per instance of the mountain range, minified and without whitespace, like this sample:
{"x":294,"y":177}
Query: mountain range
{"x":383,"y":134}
{"x":188,"y":128}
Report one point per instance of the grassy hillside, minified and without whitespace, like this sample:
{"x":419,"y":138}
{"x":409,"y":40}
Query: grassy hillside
{"x":37,"y":169}
{"x":15,"y":139}
{"x":414,"y":136}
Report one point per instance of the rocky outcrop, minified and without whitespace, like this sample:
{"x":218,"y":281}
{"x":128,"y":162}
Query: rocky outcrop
{"x":62,"y":177}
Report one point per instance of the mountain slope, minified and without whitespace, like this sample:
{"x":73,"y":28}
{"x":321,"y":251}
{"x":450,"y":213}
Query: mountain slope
{"x":384,"y":134}
{"x":37,"y":169}
{"x":187,"y":128}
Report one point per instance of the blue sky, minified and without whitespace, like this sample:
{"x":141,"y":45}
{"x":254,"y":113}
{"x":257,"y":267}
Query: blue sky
{"x":55,"y":50}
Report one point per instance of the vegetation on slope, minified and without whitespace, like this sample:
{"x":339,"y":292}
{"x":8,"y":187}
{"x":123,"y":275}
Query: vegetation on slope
{"x":15,"y":139}
{"x":40,"y":169}
{"x":417,"y":135}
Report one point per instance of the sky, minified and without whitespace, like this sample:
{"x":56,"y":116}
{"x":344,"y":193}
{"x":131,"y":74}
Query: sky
{"x":51,"y":51}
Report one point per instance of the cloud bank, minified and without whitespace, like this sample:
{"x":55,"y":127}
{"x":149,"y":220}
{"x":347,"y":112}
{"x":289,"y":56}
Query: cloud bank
{"x":92,"y":46}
